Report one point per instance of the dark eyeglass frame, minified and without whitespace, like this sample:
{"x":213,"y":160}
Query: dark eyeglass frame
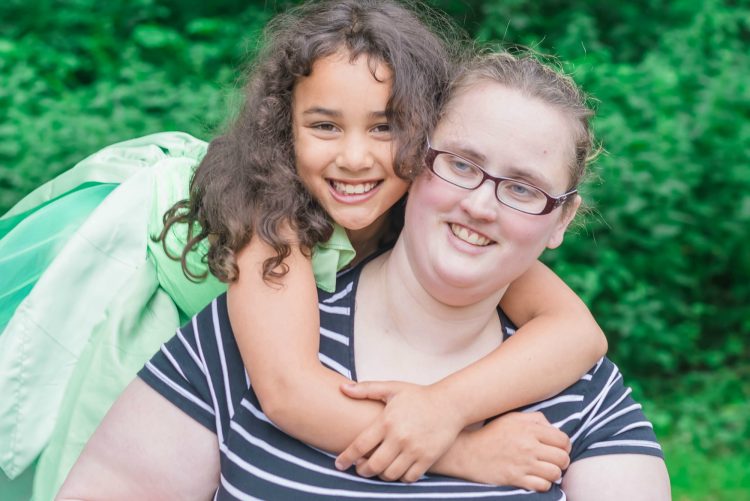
{"x":552,"y":202}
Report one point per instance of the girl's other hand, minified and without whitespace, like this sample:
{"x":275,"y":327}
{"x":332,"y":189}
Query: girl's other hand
{"x":519,"y":449}
{"x":413,"y":431}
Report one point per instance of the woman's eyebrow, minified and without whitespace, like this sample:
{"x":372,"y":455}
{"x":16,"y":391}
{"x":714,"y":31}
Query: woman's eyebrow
{"x":465,"y":150}
{"x":528,"y":175}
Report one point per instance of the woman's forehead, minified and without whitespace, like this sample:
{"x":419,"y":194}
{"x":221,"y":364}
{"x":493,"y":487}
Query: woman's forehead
{"x":504,"y":130}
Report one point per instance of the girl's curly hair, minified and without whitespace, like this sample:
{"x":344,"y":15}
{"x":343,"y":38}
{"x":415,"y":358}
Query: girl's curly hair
{"x":247,"y":184}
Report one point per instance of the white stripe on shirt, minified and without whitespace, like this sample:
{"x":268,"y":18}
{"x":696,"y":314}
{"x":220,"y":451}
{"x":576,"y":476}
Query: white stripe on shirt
{"x":222,"y":356}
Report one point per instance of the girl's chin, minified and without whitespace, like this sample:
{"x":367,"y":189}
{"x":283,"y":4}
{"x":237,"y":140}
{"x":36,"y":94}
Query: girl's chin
{"x":354,"y":224}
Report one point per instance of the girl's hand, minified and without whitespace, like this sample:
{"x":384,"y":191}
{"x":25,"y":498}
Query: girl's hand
{"x":520,"y":449}
{"x":413,"y":431}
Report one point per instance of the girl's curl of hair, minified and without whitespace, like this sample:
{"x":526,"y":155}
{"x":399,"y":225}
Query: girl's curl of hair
{"x":247,"y":185}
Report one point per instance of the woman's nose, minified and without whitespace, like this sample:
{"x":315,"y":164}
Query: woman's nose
{"x":481,"y":203}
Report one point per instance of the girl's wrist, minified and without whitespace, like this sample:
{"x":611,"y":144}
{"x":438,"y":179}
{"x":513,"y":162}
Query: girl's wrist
{"x":451,"y":402}
{"x":455,"y":461}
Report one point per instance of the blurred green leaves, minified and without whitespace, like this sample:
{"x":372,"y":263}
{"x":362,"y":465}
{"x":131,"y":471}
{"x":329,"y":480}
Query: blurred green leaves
{"x":78,"y":75}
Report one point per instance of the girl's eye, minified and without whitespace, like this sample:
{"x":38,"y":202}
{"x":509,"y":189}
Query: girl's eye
{"x":324,"y":126}
{"x":382,"y":128}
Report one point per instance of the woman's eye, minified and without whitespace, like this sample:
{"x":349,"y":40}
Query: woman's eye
{"x":519,"y":190}
{"x":461,"y":167}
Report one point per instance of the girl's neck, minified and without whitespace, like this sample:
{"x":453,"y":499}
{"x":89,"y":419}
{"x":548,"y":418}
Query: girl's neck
{"x":365,"y":241}
{"x":425,"y":323}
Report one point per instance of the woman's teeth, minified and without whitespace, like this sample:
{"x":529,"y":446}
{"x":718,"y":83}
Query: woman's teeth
{"x":353,"y":189}
{"x":469,"y":236}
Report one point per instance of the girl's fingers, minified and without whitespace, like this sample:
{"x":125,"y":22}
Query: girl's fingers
{"x":397,"y":468}
{"x":365,"y":442}
{"x":371,"y":390}
{"x":415,"y":472}
{"x":534,"y":483}
{"x":551,"y":436}
{"x":380,"y":459}
{"x":546,"y":471}
{"x":555,"y":456}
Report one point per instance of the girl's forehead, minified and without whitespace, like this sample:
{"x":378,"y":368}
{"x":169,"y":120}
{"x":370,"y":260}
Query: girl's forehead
{"x":380,"y":68}
{"x":342,"y":88}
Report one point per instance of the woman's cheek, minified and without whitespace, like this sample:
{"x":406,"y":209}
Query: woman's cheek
{"x":433,"y":193}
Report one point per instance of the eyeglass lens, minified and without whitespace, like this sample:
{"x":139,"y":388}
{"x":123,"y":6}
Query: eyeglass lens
{"x":515,"y":194}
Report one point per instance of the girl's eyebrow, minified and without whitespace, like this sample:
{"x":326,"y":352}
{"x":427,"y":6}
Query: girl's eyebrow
{"x":319,"y":110}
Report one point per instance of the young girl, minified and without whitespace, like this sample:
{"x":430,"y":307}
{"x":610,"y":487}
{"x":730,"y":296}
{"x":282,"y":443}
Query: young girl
{"x":262,"y":225}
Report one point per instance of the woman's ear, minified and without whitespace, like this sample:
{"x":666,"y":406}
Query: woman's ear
{"x":568,"y":213}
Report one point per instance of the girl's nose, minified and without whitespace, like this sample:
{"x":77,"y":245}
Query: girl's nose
{"x":356,"y":154}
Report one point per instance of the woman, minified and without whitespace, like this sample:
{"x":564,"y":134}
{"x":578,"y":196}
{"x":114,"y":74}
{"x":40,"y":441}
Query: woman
{"x":512,"y":132}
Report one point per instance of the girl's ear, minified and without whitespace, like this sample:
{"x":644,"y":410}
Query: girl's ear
{"x":568,"y":213}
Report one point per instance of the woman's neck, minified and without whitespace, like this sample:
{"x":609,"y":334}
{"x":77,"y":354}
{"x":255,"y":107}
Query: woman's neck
{"x":425,"y":323}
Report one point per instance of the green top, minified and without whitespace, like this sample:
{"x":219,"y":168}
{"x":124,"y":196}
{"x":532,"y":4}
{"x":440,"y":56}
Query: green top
{"x":97,"y":295}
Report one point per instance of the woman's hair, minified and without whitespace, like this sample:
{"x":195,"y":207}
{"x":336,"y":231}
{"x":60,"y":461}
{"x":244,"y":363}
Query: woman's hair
{"x":247,"y":185}
{"x":526,"y":73}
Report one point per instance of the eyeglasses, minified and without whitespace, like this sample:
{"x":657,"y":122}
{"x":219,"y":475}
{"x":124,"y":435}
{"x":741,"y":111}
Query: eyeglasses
{"x":515,"y":194}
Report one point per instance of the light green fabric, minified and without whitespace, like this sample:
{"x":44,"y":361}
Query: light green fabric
{"x":42,"y":342}
{"x":189,"y":296}
{"x":30,"y":240}
{"x":18,"y":489}
{"x":136,"y":323}
{"x":104,"y":297}
{"x":330,"y":257}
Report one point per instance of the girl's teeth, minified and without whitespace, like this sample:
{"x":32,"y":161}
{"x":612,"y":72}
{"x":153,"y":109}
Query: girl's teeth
{"x":469,"y":236}
{"x":353,"y":189}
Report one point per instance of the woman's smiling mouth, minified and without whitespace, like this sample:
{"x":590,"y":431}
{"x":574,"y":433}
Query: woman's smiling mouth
{"x":469,"y":236}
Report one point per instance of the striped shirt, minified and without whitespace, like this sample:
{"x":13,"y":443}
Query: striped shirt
{"x":200,"y":371}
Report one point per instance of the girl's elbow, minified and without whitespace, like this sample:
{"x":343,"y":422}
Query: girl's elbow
{"x":278,"y":400}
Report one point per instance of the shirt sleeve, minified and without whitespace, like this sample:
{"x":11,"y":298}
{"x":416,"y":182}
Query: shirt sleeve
{"x":612,"y":422}
{"x":179,"y":373}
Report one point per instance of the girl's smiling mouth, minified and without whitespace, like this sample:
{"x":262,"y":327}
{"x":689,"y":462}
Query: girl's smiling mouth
{"x":352,"y":191}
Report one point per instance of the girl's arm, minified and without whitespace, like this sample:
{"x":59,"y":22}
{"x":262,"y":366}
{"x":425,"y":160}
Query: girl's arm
{"x":276,"y":326}
{"x":558,"y":342}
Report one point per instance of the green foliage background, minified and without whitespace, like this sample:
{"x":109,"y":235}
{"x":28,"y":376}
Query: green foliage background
{"x":662,"y":259}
